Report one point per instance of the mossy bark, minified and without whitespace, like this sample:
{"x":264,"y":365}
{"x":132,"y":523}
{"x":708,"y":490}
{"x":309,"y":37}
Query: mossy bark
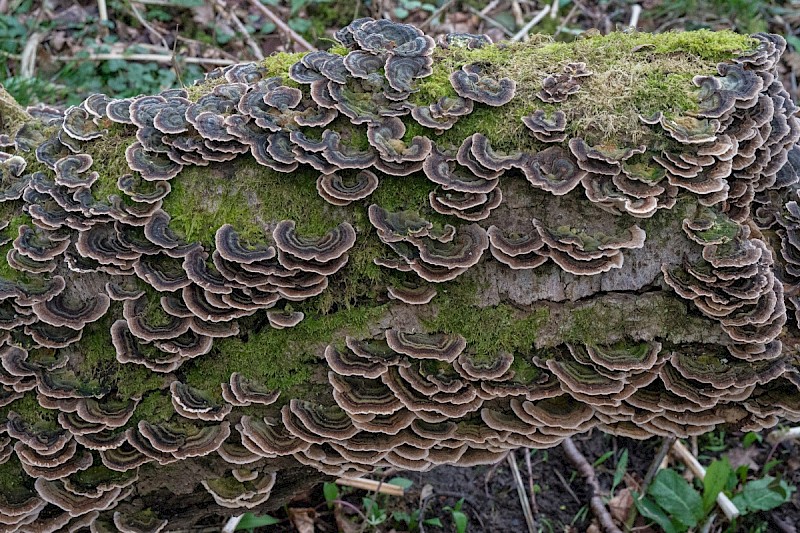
{"x":524,"y":312}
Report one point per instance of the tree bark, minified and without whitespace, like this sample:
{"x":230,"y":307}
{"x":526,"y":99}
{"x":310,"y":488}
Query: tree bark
{"x":616,"y":315}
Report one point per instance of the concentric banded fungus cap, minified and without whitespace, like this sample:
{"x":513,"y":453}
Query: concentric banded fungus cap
{"x":79,"y":124}
{"x":553,"y":170}
{"x":144,"y":521}
{"x":328,"y":247}
{"x":438,"y":346}
{"x":545,"y":129}
{"x":70,"y":310}
{"x":470,"y":82}
{"x":281,"y":320}
{"x":69,"y":169}
{"x":348,"y":363}
{"x":463,"y":251}
{"x":358,"y":395}
{"x":483,"y":367}
{"x":316,"y":423}
{"x":193,"y":403}
{"x":242,"y":391}
{"x":269,"y":439}
{"x":152,"y":166}
{"x":341,"y":191}
{"x":412,"y":293}
{"x":386,"y":137}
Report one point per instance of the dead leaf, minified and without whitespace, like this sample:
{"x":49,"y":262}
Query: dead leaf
{"x":343,"y":523}
{"x":302,"y":519}
{"x":594,"y":528}
{"x":742,"y":456}
{"x":620,"y":505}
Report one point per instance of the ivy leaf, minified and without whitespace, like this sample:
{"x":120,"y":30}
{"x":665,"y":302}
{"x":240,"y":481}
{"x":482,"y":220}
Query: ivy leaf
{"x":250,"y":521}
{"x":715,"y":481}
{"x":648,"y":509}
{"x":677,"y":497}
{"x":761,"y":496}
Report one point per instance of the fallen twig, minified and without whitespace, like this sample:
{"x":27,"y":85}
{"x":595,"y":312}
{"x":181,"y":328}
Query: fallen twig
{"x":230,"y":525}
{"x":296,"y":37}
{"x":523,"y":496}
{"x":655,"y":466}
{"x":636,"y":10}
{"x":102,"y":10}
{"x":585,"y":469}
{"x":371,"y":485}
{"x":780,"y":435}
{"x":158,"y":58}
{"x":533,"y":22}
{"x":490,"y":21}
{"x":221,"y":7}
{"x":147,"y":25}
{"x":435,"y":14}
{"x":28,"y":59}
{"x":531,"y":487}
{"x":682,"y":452}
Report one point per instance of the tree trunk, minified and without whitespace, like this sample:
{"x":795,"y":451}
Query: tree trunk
{"x":270,"y":278}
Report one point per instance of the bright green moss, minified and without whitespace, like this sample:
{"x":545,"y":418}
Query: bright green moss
{"x":487,"y":330}
{"x":15,"y":485}
{"x":99,"y":362}
{"x":279,"y":359}
{"x":110,"y":150}
{"x":38,"y":417}
{"x":249,"y":197}
{"x":155,"y":407}
{"x":12,"y":232}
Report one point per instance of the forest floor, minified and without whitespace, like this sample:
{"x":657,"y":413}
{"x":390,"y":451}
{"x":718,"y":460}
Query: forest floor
{"x":59,"y":51}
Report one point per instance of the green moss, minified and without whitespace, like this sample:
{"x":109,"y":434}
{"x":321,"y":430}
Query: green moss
{"x":524,"y":370}
{"x":606,"y":322}
{"x":248,"y":196}
{"x":633,"y":73}
{"x":39,"y":418}
{"x":487,"y":330}
{"x":279,"y":359}
{"x":155,"y":407}
{"x":15,"y":485}
{"x":12,"y":232}
{"x":110,"y":150}
{"x":99,"y":362}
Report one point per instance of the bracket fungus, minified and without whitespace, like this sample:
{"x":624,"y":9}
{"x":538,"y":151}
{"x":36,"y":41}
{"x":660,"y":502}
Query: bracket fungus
{"x":391,"y":253}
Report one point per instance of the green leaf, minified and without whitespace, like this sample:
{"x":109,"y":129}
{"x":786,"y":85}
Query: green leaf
{"x":677,"y":497}
{"x":751,"y":438}
{"x":622,"y":466}
{"x":760,"y":495}
{"x":331,"y":492}
{"x":250,"y":521}
{"x":460,"y":520}
{"x":648,"y":509}
{"x":403,"y":482}
{"x":715,"y":481}
{"x":603,"y":458}
{"x":433,"y":522}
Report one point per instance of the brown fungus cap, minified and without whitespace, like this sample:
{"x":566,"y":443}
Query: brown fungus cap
{"x":546,"y":129}
{"x":343,"y":190}
{"x":328,"y":247}
{"x":437,"y":346}
{"x":470,"y":82}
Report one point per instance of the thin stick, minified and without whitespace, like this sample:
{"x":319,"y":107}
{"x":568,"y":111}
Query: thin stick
{"x":28,"y":59}
{"x":489,"y":21}
{"x":491,"y":5}
{"x":370,"y":485}
{"x":566,"y":20}
{"x":554,"y":9}
{"x":147,"y":25}
{"x":230,"y":14}
{"x":517,"y":11}
{"x":529,"y":466}
{"x":533,"y":22}
{"x":230,"y":525}
{"x":655,"y":466}
{"x":585,"y":469}
{"x":636,"y":10}
{"x":681,"y":452}
{"x":780,"y":435}
{"x":296,"y":37}
{"x":523,"y":496}
{"x":441,"y":9}
{"x":102,"y":10}
{"x":158,"y":58}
